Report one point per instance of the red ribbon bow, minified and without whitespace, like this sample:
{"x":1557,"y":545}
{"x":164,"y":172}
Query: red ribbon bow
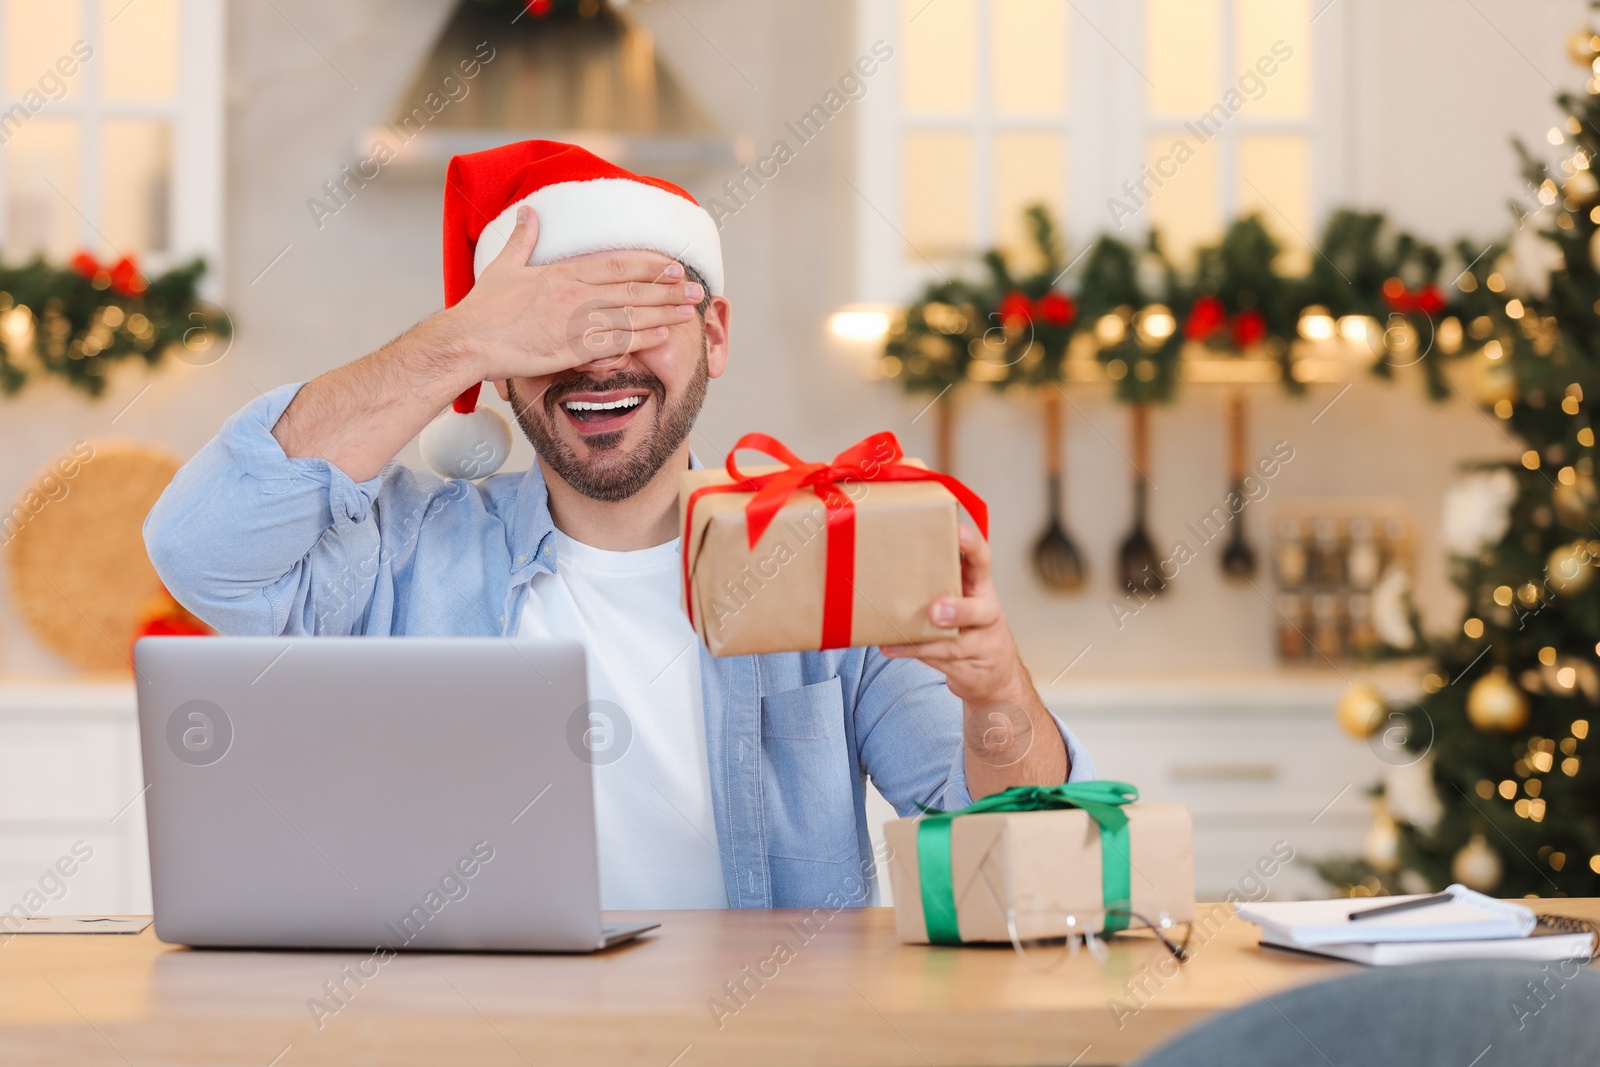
{"x":123,"y":275}
{"x":1055,"y":308}
{"x":872,"y":459}
{"x":1209,"y":314}
{"x":1427,"y":301}
{"x":1205,"y":318}
{"x":1249,"y":327}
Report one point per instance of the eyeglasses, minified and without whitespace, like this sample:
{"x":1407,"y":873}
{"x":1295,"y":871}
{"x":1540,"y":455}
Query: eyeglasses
{"x":1045,"y":934}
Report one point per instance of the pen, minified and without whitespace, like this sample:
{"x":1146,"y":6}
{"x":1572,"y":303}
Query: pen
{"x":1404,"y":905}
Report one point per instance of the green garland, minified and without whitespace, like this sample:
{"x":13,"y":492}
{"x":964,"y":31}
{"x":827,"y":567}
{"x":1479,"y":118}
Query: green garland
{"x":75,"y":323}
{"x":1138,"y":313}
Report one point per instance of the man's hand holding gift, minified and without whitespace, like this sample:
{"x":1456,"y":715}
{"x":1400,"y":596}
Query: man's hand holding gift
{"x":1010,"y":738}
{"x":742,"y":528}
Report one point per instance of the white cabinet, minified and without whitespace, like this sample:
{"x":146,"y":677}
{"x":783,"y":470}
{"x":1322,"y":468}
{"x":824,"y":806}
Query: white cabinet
{"x":72,"y":831}
{"x":1259,"y":760}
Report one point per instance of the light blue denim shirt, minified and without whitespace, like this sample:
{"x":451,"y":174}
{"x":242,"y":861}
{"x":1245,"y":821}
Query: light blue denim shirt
{"x":256,"y":543}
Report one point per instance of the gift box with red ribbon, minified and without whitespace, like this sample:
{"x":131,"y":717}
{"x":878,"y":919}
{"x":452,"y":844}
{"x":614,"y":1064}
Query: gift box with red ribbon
{"x":802,"y":556}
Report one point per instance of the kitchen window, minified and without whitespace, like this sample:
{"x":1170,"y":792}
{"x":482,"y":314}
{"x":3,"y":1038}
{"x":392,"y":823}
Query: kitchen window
{"x":1175,"y":114}
{"x":111,"y":116}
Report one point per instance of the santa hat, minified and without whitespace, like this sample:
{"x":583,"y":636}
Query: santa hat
{"x":584,"y":204}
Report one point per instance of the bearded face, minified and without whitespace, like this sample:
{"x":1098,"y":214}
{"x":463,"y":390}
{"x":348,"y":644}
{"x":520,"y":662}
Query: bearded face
{"x":607,"y":427}
{"x":606,"y":434}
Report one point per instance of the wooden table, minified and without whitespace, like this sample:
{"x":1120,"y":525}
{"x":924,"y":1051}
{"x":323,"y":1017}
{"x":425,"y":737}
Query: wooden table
{"x":843,"y":992}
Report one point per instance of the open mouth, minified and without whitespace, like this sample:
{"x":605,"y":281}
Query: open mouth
{"x":594,"y":413}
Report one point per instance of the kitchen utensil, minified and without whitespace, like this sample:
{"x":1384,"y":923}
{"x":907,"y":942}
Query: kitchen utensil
{"x":1238,"y":556}
{"x":1056,"y":560}
{"x":1137,"y":563}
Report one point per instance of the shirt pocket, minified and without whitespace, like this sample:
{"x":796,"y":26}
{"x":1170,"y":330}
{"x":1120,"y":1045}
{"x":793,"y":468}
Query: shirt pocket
{"x":808,"y":799}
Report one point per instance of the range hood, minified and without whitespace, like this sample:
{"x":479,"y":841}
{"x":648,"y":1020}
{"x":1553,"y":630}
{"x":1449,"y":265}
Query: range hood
{"x":592,"y":79}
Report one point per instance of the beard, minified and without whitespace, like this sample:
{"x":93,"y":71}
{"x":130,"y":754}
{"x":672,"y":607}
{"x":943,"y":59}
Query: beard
{"x":610,"y":473}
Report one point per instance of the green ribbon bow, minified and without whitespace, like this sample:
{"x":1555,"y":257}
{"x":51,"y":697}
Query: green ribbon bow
{"x":1102,"y":800}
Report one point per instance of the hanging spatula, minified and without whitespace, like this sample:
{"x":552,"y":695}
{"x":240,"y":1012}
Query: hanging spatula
{"x":1238,"y":556}
{"x":1057,"y":563}
{"x":1137,"y":563}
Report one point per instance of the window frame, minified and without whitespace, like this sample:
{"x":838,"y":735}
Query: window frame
{"x":1106,"y":124}
{"x":196,"y":119}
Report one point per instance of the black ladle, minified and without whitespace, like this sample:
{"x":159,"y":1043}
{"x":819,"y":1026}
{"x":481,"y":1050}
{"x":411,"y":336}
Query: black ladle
{"x":1238,"y":557}
{"x":1137,"y":562}
{"x":1057,"y":563}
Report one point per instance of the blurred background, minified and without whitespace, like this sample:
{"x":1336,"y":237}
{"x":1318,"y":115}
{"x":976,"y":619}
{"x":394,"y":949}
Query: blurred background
{"x":860,"y":157}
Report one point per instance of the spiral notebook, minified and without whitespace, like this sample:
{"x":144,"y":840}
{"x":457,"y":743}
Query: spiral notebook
{"x":1538,"y":947}
{"x":1466,"y":925}
{"x":1468,"y":916}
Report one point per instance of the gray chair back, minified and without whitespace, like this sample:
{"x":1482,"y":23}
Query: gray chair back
{"x":1479,"y":1013}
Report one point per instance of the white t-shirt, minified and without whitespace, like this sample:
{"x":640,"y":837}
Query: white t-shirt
{"x":657,"y":833}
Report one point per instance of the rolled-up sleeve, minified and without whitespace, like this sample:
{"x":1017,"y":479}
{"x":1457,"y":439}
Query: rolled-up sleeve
{"x":1080,"y":766}
{"x":245,"y":535}
{"x":909,"y":728}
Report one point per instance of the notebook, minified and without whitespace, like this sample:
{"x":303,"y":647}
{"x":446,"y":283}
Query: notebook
{"x":1395,"y":953}
{"x":1469,"y":916}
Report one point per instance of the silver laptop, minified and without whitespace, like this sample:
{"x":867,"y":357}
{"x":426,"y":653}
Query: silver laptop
{"x":361,"y":793}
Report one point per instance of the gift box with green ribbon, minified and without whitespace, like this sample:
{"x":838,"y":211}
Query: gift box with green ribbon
{"x":1041,"y":861}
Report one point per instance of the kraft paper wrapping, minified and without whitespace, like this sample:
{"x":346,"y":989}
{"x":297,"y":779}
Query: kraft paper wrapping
{"x":1046,"y":865}
{"x":770,"y":599}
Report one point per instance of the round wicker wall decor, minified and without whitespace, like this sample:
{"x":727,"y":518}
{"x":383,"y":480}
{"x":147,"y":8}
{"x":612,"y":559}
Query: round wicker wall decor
{"x":75,"y":557}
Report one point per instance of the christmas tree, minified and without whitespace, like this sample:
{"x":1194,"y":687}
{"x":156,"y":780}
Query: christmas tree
{"x":1513,"y":694}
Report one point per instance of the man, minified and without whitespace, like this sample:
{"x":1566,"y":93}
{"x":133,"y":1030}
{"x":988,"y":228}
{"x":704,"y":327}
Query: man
{"x":592,"y":298}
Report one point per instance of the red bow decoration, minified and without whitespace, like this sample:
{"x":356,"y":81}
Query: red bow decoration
{"x":123,"y":275}
{"x":1205,"y":318}
{"x":1428,"y":300}
{"x":1055,"y":308}
{"x":1249,"y":327}
{"x":872,"y":459}
{"x":1208,"y":315}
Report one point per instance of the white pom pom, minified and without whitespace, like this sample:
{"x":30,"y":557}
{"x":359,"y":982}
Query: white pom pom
{"x":466,"y":446}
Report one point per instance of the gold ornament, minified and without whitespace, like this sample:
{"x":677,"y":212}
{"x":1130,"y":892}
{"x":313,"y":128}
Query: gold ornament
{"x":1360,"y":710}
{"x":1382,"y":848}
{"x":1581,"y":47}
{"x":1493,"y":380}
{"x":1476,"y":866}
{"x":1570,"y":568}
{"x":1495,"y":703}
{"x":944,"y":318}
{"x":1573,"y":502}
